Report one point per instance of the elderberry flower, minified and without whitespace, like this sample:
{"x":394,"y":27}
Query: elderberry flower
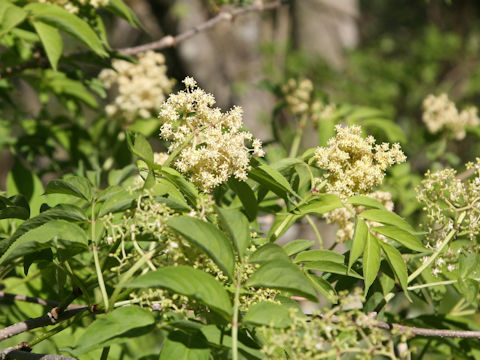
{"x":139,"y":88}
{"x":344,"y":217}
{"x":355,"y":165}
{"x":73,"y":6}
{"x":317,"y":336}
{"x":210,"y":143}
{"x":451,"y":204}
{"x":440,"y":113}
{"x":300,"y":100}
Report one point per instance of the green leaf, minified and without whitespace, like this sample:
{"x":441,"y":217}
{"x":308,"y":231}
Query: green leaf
{"x":467,"y":264}
{"x":271,"y":179}
{"x":190,"y":282}
{"x":283,"y":275}
{"x":320,"y":255}
{"x":320,"y":205}
{"x":51,"y":41}
{"x":76,"y":186}
{"x":387,"y":217}
{"x":359,"y":240}
{"x":61,"y":85}
{"x":60,"y":18}
{"x":323,"y":287}
{"x":208,"y":238}
{"x":246,"y":196}
{"x":115,"y":327}
{"x":183,"y":185}
{"x":330,"y":267}
{"x":179,"y":345}
{"x":391,"y":130}
{"x":397,"y":264}
{"x":164,"y":187}
{"x":15,"y":207}
{"x":10,"y":16}
{"x":284,"y":165}
{"x":281,"y":224}
{"x":365,"y":112}
{"x":236,"y":225}
{"x":118,"y":200}
{"x":325,"y":131}
{"x":117,"y":177}
{"x":362,"y":200}
{"x":469,"y":289}
{"x":119,"y":8}
{"x":221,"y":339}
{"x":268,"y":314}
{"x":371,"y":260}
{"x":57,"y":231}
{"x":60,"y":212}
{"x":139,"y":146}
{"x":403,"y":237}
{"x":20,"y":180}
{"x":295,"y":246}
{"x":268,"y":252}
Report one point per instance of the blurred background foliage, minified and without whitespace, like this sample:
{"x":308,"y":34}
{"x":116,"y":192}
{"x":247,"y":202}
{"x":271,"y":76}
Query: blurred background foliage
{"x":375,"y":60}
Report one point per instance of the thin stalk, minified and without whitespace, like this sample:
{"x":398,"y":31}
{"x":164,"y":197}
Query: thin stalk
{"x":437,"y":252}
{"x":236,"y":305}
{"x":177,"y":151}
{"x":315,"y":230}
{"x":98,"y":267}
{"x":459,"y":306}
{"x":129,"y":274}
{"x":438,"y":283}
{"x":60,"y":327}
{"x":142,"y":253}
{"x":298,"y":137}
{"x":105,"y":352}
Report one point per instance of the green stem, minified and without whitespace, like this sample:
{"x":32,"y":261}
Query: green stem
{"x":236,"y":306}
{"x":98,"y":267}
{"x":105,"y":352}
{"x":437,"y":252}
{"x":315,"y":230}
{"x":129,"y":274}
{"x":177,"y":151}
{"x":438,"y":283}
{"x":298,"y":137}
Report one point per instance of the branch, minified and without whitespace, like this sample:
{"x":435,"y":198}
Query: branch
{"x":51,"y":318}
{"x":14,"y":297}
{"x":430,"y":332}
{"x":170,"y":41}
{"x":24,"y":355}
{"x":54,"y":316}
{"x":404,"y":329}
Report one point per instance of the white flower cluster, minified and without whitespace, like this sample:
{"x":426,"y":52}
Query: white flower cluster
{"x":355,"y":165}
{"x":73,"y":6}
{"x":300,"y":100}
{"x":341,"y":332}
{"x":345,"y":217}
{"x":440,"y":113}
{"x":140,"y":88}
{"x":212,"y":147}
{"x":451,"y":203}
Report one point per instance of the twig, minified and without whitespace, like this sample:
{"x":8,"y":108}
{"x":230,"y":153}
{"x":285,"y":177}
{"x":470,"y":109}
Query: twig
{"x":23,"y":355}
{"x":170,"y":41}
{"x":48,"y":319}
{"x":34,"y":300}
{"x":464,"y":334}
{"x":412,"y":330}
{"x":54,"y":316}
{"x":466,"y":174}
